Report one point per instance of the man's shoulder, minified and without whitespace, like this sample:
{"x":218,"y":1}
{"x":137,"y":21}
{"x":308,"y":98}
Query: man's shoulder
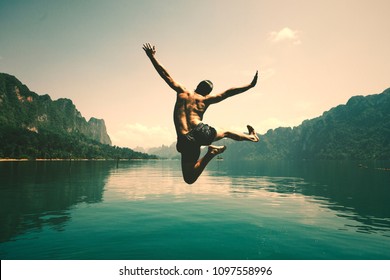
{"x":184,"y":90}
{"x":185,"y":94}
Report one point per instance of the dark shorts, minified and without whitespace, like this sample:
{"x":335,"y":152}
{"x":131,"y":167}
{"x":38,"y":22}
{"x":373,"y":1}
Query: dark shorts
{"x":190,"y":143}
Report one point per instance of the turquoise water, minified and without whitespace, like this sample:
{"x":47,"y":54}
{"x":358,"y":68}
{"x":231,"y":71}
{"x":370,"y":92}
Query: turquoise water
{"x":143,"y":210}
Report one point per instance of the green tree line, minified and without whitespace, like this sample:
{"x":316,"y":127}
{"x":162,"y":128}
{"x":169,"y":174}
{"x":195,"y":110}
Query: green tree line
{"x":21,"y":143}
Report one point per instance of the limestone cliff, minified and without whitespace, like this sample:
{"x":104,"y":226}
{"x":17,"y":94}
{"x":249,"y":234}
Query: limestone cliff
{"x":97,"y":128}
{"x":22,"y":108}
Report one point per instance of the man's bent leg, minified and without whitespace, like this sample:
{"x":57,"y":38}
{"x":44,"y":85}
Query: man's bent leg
{"x":238,"y":136}
{"x":192,"y":170}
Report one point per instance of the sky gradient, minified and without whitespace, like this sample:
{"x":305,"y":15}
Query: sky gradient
{"x":311,"y":56}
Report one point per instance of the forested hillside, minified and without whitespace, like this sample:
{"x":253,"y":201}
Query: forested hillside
{"x":35,"y":126}
{"x":359,"y":129}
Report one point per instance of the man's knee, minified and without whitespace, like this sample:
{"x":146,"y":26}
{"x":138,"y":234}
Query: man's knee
{"x":220,"y":135}
{"x":189,"y":173}
{"x":189,"y":176}
{"x":189,"y":179}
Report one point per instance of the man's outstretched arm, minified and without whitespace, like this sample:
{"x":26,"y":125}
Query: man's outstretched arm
{"x":150,"y":52}
{"x":231,"y":92}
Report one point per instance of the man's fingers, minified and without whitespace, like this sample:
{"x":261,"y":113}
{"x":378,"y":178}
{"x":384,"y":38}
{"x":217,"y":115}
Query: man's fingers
{"x":149,"y":47}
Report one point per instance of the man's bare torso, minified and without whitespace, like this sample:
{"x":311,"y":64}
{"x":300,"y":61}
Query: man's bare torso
{"x":189,"y":110}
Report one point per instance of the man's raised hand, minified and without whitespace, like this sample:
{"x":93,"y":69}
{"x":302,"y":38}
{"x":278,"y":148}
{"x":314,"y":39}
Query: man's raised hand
{"x":149,"y":49}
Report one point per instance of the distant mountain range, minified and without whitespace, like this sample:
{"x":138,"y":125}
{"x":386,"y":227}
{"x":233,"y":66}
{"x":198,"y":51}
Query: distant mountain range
{"x":163,"y":152}
{"x":358,"y":130}
{"x":35,"y":126}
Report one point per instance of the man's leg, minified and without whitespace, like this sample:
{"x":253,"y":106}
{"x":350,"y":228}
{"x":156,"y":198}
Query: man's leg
{"x":192,"y":169}
{"x":238,"y":136}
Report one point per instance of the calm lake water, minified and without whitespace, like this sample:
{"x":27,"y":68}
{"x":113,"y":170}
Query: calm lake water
{"x":143,"y":210}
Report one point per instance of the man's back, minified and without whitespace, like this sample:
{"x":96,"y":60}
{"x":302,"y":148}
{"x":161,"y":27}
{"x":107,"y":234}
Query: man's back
{"x":189,"y":110}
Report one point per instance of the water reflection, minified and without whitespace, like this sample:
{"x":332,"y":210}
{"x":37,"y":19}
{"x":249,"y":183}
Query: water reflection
{"x":340,"y":195}
{"x":158,"y":179}
{"x":39,"y":194}
{"x":147,"y":200}
{"x":358,"y":194}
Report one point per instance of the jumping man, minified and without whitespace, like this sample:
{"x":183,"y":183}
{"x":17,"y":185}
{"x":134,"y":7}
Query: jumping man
{"x":188,"y":115}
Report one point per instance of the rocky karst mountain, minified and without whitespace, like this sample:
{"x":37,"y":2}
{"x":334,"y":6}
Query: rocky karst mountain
{"x":35,"y":126}
{"x":20,"y":107}
{"x":360,"y":129}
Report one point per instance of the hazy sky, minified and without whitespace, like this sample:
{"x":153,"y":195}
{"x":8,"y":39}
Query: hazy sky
{"x":311,"y":56}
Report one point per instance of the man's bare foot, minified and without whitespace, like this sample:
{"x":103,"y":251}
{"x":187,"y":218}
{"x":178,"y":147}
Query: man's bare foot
{"x":216,"y":150}
{"x":252,"y":132}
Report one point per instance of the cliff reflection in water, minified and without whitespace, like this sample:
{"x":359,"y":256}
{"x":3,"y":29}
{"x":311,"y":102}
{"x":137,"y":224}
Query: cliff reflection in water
{"x":236,"y":210}
{"x":358,"y":193}
{"x":39,"y":194}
